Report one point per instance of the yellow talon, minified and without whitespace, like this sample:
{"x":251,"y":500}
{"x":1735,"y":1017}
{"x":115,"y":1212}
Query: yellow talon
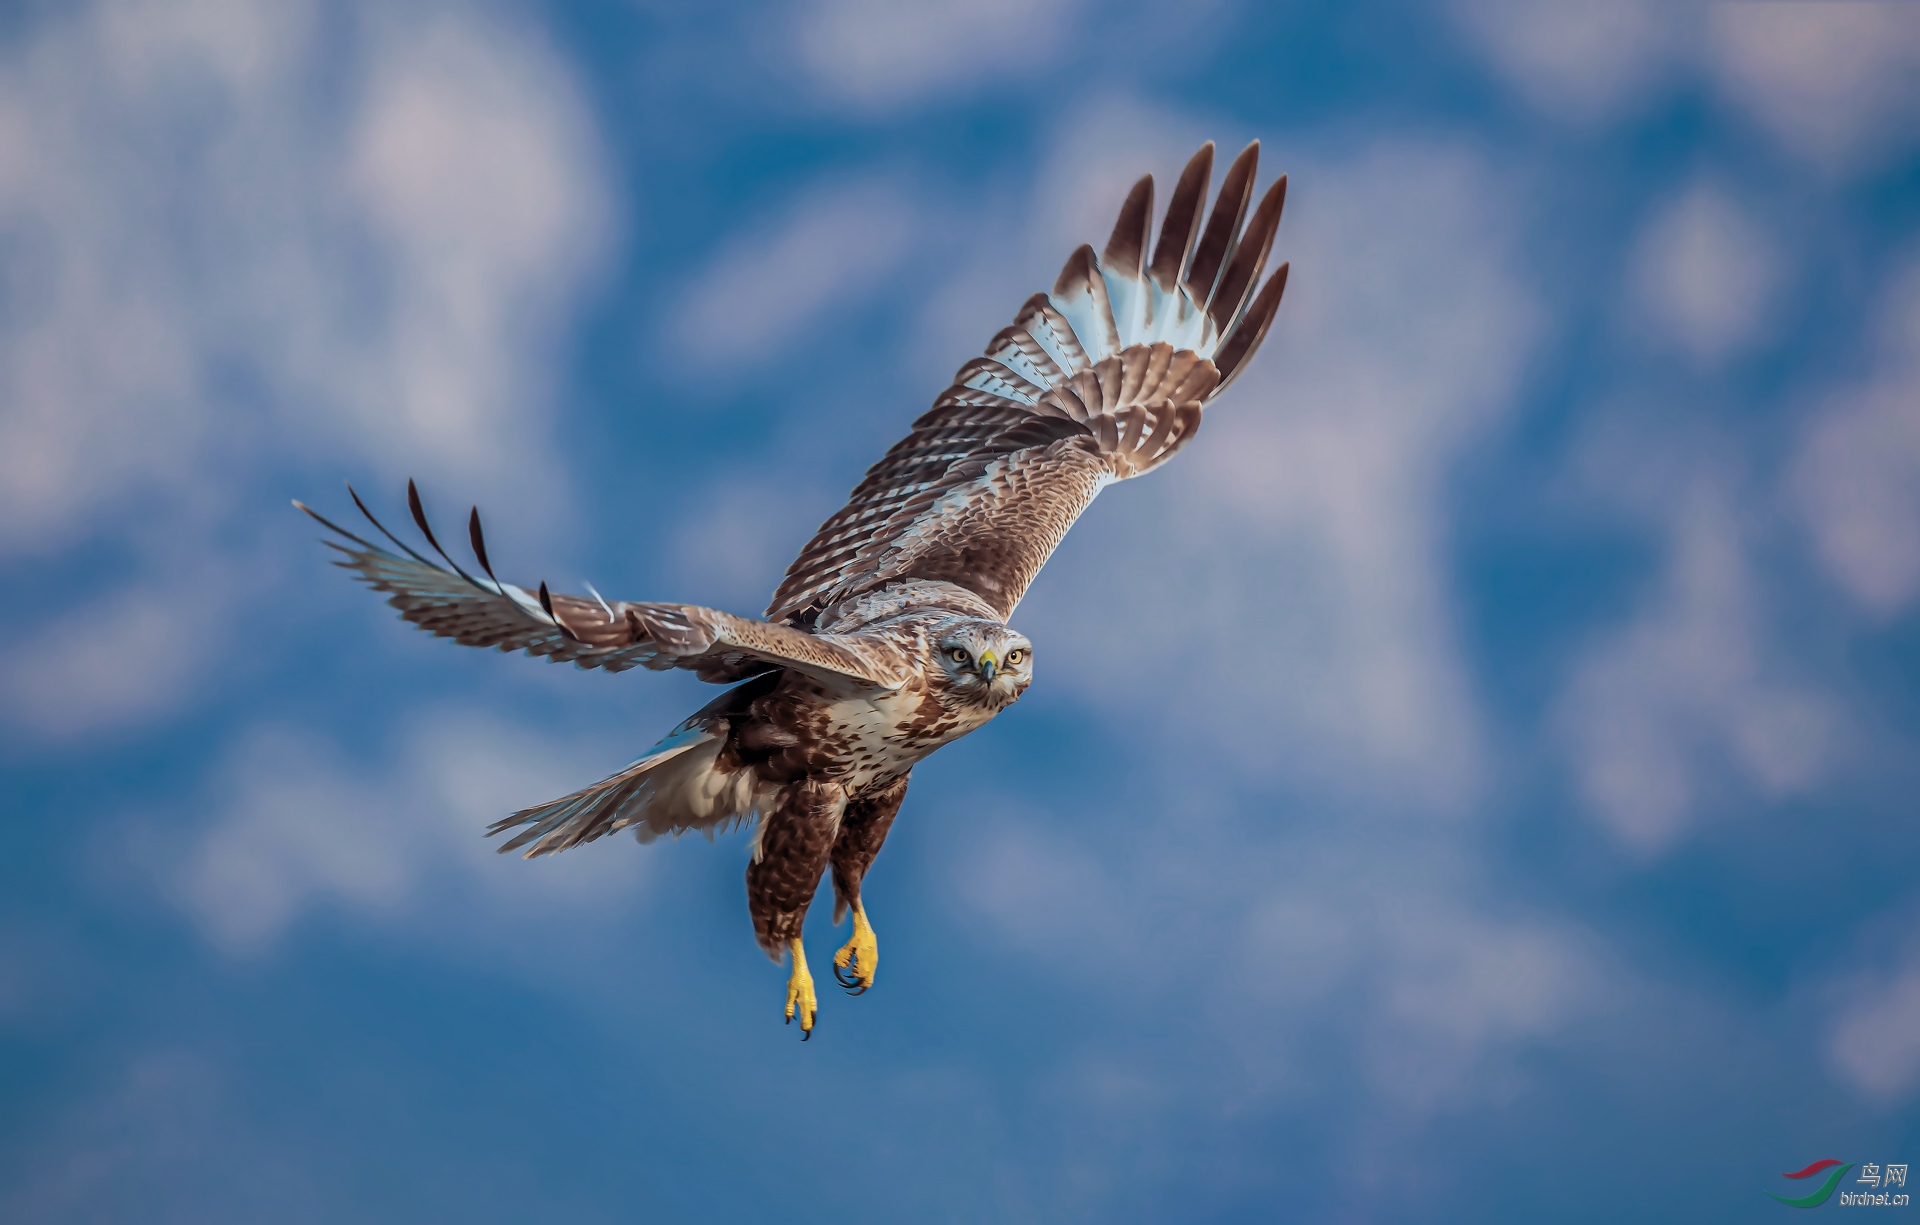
{"x":800,"y":995}
{"x":859,"y":956}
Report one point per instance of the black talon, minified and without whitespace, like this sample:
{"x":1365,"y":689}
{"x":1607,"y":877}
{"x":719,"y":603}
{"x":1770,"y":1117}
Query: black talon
{"x":861,"y":991}
{"x":806,"y":1035}
{"x":789,"y":1018}
{"x":843,"y":980}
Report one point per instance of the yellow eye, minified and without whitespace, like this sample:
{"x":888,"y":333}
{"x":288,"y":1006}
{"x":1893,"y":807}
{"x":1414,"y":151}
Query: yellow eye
{"x":1015,"y":656}
{"x":959,"y":655}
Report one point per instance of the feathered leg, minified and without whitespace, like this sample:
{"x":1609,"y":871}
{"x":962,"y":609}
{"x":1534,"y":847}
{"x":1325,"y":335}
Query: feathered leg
{"x":795,"y":839}
{"x":862,"y":830}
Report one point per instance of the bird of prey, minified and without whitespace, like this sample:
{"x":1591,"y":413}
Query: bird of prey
{"x":888,"y":636}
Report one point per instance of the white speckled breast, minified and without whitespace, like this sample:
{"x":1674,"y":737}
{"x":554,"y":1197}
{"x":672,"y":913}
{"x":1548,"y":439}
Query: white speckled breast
{"x":885,"y":735}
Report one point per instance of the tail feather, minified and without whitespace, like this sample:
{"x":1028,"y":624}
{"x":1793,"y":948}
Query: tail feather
{"x":676,"y":786}
{"x":608,"y":805}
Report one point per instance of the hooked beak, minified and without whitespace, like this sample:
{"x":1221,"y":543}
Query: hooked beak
{"x":988,"y":667}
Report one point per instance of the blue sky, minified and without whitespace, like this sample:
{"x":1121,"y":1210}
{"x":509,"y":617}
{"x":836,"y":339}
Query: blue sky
{"x":1475,"y":782}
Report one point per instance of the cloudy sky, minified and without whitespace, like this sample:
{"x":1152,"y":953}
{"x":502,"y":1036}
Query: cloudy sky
{"x":1474,"y":782}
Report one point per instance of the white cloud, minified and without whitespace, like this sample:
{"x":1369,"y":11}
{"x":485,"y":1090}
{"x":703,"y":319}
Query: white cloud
{"x":1874,"y":1040}
{"x":123,"y":658}
{"x":1704,"y":275}
{"x":296,"y":829}
{"x":871,"y":54}
{"x":1859,"y":481}
{"x":1837,"y":82}
{"x":1856,"y":477}
{"x":732,"y":553}
{"x":1584,"y":62}
{"x":1043,"y":891}
{"x":1657,"y":711}
{"x":217,"y":265}
{"x":472,"y":161}
{"x":1453,"y":987}
{"x":183,"y":203}
{"x":1386,"y":939}
{"x":796,"y":272}
{"x":1429,"y":984}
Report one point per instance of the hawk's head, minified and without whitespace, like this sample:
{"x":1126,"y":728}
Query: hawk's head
{"x":984,"y":663}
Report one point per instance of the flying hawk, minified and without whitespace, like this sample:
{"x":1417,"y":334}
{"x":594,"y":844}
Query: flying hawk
{"x":888,"y":637}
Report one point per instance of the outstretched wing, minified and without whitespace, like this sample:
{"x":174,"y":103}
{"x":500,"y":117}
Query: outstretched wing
{"x":484,"y":612}
{"x":1098,"y":381}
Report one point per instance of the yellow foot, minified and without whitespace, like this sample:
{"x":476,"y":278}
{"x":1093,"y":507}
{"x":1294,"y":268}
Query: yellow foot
{"x":859,"y":956}
{"x":800,"y":997}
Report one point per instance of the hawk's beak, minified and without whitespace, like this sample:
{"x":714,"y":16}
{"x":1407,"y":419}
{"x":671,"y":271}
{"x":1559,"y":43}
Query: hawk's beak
{"x":988,"y":666}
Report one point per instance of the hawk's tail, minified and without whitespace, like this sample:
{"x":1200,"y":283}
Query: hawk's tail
{"x":608,"y":805}
{"x":677,"y":786}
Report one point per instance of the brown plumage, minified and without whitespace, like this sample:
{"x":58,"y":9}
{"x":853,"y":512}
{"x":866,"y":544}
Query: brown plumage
{"x":887,"y":638}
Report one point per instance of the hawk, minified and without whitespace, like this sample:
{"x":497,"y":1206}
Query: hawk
{"x":888,"y":636}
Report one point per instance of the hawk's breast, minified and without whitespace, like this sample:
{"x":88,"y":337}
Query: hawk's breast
{"x":875,"y":738}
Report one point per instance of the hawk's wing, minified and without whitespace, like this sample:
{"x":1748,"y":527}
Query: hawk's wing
{"x":1098,"y":381}
{"x":590,"y":632}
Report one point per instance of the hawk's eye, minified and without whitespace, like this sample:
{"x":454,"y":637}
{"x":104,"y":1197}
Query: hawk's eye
{"x":1015,"y":656}
{"x":959,"y":655}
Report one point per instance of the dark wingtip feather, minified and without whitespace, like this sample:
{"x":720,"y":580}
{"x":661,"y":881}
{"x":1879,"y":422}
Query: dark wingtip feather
{"x":331,"y":526}
{"x":355,"y":495}
{"x":1076,"y":271}
{"x":426,"y":529}
{"x":1126,"y":251}
{"x":478,"y":541}
{"x":420,"y":514}
{"x":1246,"y":338}
{"x":1222,"y":236}
{"x":1183,"y":219}
{"x":546,"y":602}
{"x":1237,"y":283}
{"x":506,"y":823}
{"x":398,"y":543}
{"x":1081,"y":275}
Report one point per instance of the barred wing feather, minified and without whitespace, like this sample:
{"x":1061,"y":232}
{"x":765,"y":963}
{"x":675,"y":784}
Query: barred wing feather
{"x":1102,"y":379}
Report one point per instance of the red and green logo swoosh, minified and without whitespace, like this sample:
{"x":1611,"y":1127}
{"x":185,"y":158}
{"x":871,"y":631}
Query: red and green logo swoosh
{"x":1816,"y":1198}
